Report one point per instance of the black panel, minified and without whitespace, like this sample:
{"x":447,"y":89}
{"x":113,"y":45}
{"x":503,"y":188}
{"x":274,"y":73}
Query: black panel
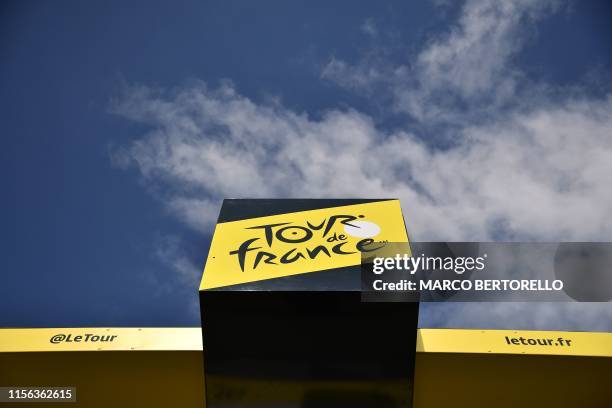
{"x":339,"y":279}
{"x":242,"y":209}
{"x":318,"y":340}
{"x":306,"y":340}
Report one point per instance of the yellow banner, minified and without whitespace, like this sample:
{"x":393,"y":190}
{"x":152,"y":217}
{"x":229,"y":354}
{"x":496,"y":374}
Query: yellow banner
{"x":100,"y":339}
{"x":558,"y":343}
{"x":308,"y":241}
{"x":453,"y":341}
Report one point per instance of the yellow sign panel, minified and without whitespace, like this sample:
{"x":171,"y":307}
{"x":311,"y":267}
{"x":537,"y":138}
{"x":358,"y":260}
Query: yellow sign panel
{"x":449,"y":341}
{"x":307,"y":241}
{"x":101,"y":339}
{"x":534,"y":342}
{"x":161,"y":367}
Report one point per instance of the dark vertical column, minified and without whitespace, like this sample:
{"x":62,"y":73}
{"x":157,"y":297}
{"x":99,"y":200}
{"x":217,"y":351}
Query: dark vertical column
{"x":307,"y":339}
{"x":307,"y":349}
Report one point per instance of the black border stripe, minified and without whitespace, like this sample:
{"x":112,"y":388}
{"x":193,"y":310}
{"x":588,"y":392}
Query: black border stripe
{"x":234,"y":209}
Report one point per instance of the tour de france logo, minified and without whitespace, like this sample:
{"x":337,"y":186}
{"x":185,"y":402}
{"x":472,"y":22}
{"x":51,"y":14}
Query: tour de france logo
{"x":288,"y":242}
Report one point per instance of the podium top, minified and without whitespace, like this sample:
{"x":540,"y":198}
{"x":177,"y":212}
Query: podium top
{"x":267,"y":244}
{"x":463,"y":342}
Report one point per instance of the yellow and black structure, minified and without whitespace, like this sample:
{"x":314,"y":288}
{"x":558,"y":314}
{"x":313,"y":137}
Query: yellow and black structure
{"x":162,"y":367}
{"x":283,"y":325}
{"x":281,"y":301}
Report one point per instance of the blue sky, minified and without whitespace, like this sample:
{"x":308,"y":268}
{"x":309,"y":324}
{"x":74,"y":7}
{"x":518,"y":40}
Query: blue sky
{"x":125,"y":123}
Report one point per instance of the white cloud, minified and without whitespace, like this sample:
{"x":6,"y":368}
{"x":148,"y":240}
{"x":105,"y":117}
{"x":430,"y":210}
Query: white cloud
{"x":168,"y":250}
{"x":467,"y":71}
{"x":180,"y":277}
{"x":540,"y":174}
{"x":360,"y":77}
{"x":473,"y":58}
{"x":538,"y":169}
{"x":369,"y":28}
